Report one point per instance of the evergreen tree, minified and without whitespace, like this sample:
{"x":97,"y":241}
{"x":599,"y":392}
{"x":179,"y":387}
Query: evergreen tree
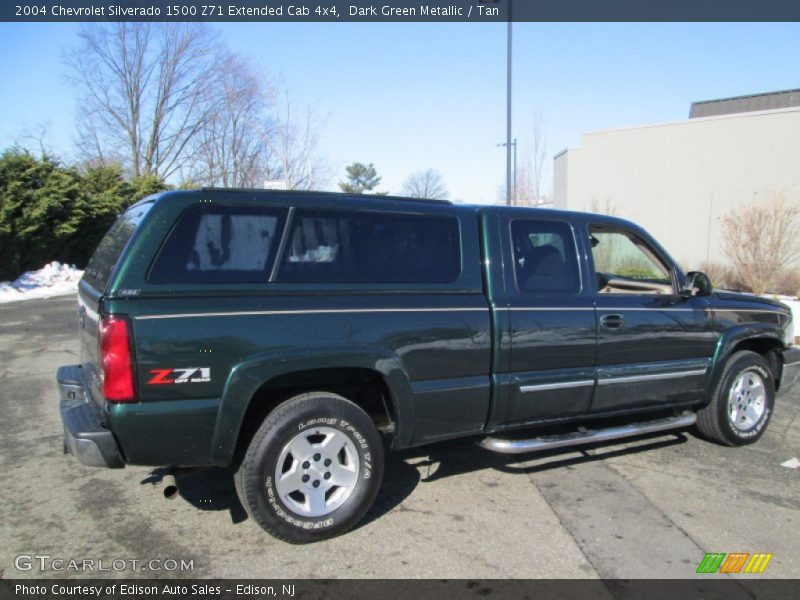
{"x":145,"y":185}
{"x":37,"y":198}
{"x":360,"y":178}
{"x":104,"y":194}
{"x":52,"y":212}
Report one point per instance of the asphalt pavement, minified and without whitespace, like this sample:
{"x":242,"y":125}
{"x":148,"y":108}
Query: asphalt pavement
{"x":645,"y":509}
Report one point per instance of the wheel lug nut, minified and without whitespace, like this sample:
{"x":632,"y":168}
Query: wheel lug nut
{"x":317,"y":457}
{"x":316,"y":483}
{"x":305,"y":478}
{"x":306,"y":464}
{"x":327,"y":462}
{"x":327,"y":475}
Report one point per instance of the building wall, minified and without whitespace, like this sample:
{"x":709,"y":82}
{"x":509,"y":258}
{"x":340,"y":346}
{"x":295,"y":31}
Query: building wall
{"x":677,"y":179}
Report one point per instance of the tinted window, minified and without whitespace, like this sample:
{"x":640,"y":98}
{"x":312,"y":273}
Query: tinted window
{"x":364,"y":247}
{"x":219,"y":244}
{"x":110,"y":248}
{"x":545,"y":259}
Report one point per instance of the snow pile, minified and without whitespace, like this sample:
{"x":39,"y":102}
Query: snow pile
{"x":53,"y":279}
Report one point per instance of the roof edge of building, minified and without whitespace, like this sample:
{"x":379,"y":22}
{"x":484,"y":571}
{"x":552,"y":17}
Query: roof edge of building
{"x":754,"y":113}
{"x":746,"y":96}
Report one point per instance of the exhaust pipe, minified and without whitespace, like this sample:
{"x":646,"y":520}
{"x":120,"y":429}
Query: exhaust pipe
{"x":170,"y":486}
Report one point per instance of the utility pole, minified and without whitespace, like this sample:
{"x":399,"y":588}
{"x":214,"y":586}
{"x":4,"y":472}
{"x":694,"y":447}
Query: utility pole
{"x":514,"y":192}
{"x":511,"y":190}
{"x":508,"y":112}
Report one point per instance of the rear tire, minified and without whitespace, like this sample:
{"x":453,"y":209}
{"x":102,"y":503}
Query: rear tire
{"x":312,"y":469}
{"x":742,"y":403}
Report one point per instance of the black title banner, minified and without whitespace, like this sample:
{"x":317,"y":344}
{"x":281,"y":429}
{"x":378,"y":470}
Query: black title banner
{"x":475,"y":11}
{"x":418,"y":589}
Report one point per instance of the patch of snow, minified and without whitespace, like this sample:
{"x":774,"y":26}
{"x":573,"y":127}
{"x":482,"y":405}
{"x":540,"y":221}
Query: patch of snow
{"x":53,"y":279}
{"x":792,"y":463}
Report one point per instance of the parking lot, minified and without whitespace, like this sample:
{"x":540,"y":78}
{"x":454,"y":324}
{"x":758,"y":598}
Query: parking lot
{"x":650,"y":508}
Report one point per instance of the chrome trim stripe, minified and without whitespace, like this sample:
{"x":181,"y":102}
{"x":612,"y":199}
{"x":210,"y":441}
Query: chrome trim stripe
{"x":400,"y":310}
{"x":752,"y":310}
{"x":628,"y":308}
{"x":544,"y":308}
{"x":632,"y":309}
{"x":322,"y":311}
{"x":653,"y":377}
{"x":556,"y":386}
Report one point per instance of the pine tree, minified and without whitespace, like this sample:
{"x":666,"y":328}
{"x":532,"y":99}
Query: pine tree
{"x":360,"y":178}
{"x":49,"y":211}
{"x":37,"y":201}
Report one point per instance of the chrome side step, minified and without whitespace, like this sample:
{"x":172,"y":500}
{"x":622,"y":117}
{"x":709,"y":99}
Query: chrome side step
{"x":585,"y":436}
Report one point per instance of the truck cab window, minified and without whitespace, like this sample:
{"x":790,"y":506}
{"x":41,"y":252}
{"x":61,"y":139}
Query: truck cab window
{"x":625,"y":264}
{"x":545,"y":259}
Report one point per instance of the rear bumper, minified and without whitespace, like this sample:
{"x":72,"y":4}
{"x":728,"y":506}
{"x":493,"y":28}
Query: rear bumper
{"x":790,"y":373}
{"x":85,"y":436}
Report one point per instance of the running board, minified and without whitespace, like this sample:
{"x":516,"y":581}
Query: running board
{"x":585,"y":436}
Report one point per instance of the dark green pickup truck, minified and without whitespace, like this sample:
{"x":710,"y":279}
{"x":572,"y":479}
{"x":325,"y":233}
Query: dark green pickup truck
{"x":285,"y":334}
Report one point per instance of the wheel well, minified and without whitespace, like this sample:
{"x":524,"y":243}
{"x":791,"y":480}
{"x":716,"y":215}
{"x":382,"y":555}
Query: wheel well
{"x":364,"y":387}
{"x":766,"y":347}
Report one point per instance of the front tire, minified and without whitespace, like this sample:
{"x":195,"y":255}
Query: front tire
{"x":312,"y":469}
{"x":743,"y":401}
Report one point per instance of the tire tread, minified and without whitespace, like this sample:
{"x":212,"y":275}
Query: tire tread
{"x":708,"y":421}
{"x":247,"y":494}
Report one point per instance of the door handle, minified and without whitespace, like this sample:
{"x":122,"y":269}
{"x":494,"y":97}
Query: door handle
{"x":612,"y":321}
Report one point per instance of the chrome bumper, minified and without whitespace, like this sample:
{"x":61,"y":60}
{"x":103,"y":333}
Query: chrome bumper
{"x":85,"y":437}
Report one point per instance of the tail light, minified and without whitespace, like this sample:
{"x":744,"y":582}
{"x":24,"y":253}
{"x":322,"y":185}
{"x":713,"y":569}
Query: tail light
{"x":116,"y":358}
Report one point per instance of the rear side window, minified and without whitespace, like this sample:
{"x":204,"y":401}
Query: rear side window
{"x":364,"y":247}
{"x":110,"y":248}
{"x":545,"y":259}
{"x":220,"y":244}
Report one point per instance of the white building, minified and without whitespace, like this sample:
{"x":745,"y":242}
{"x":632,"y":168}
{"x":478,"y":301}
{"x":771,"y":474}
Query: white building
{"x":677,"y":179}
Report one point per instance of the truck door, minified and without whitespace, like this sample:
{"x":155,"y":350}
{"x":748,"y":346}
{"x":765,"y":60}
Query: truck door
{"x":653,"y":347}
{"x":550,"y":372}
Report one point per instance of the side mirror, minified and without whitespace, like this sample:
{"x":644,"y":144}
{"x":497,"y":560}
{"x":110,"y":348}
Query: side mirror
{"x":697,"y":284}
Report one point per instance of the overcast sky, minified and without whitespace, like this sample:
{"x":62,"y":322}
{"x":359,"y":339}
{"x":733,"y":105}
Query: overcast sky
{"x":413,"y":96}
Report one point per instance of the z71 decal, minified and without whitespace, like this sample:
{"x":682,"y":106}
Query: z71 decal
{"x":185,"y":375}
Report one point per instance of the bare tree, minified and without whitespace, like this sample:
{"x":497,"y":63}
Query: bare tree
{"x":531,"y":179}
{"x":718,"y":273}
{"x":606,"y":207}
{"x":35,"y":139}
{"x":144,"y":92}
{"x":762,"y":241}
{"x":231,"y":149}
{"x":425,"y":184}
{"x":538,"y":157}
{"x":293,"y":142}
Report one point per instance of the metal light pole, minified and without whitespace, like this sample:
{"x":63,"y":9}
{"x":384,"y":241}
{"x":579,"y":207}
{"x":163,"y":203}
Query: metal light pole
{"x":514,"y":189}
{"x":511,"y":181}
{"x":508,"y":112}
